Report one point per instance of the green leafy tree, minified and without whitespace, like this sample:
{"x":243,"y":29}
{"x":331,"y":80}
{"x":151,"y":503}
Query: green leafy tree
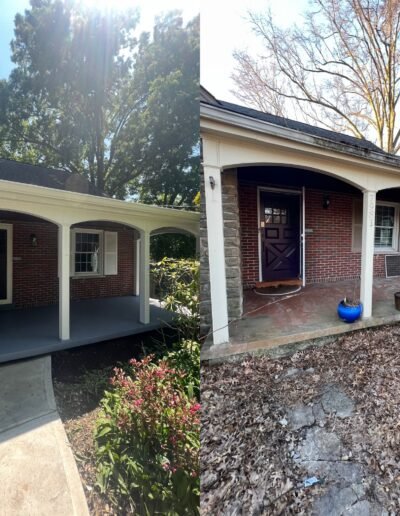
{"x":168,"y":125}
{"x":77,"y":98}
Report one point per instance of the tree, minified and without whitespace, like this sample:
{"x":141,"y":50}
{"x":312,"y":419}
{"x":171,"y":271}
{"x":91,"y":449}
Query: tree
{"x":340,"y":68}
{"x":76,"y":99}
{"x":168,"y":125}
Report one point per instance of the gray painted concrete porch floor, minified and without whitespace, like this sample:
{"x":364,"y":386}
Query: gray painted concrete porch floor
{"x":34,"y":331}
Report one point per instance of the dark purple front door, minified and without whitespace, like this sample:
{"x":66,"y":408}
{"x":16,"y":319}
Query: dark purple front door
{"x":280,"y":235}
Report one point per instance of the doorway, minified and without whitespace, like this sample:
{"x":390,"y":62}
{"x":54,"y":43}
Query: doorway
{"x":280,"y":229}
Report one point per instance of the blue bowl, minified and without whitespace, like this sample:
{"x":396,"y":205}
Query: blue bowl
{"x":349,"y":314}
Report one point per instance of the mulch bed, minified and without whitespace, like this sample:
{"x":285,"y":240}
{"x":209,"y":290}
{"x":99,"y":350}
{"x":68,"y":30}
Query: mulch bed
{"x":77,"y":375}
{"x":247,"y":448}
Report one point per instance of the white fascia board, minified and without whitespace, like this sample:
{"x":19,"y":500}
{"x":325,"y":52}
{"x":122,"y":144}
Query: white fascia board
{"x":54,"y":197}
{"x":246,"y":122}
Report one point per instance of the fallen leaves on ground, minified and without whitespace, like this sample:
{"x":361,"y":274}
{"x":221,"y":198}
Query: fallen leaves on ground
{"x":247,"y":449}
{"x":79,"y":412}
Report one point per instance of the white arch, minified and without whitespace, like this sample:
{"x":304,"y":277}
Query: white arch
{"x":363,"y":172}
{"x":29,"y":213}
{"x":294,"y":166}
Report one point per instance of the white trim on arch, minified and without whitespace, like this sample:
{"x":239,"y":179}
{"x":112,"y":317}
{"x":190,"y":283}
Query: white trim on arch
{"x":9,"y":229}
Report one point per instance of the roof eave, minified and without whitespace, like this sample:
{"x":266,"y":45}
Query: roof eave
{"x":222,"y":115}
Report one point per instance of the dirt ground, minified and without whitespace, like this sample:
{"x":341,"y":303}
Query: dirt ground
{"x":327,"y":416}
{"x":79,"y":377}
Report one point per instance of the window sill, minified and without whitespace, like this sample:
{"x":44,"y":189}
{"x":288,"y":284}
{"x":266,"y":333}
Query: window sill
{"x":379,"y":251}
{"x":87,"y":276}
{"x":386,"y":251}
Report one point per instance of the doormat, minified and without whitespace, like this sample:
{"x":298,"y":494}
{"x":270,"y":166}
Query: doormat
{"x":280,"y":290}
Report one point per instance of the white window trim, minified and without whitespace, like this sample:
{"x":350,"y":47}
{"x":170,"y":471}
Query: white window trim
{"x":100,"y":272}
{"x":395,"y":240}
{"x":394,"y":248}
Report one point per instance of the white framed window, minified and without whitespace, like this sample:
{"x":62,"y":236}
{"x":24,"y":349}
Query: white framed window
{"x":386,"y":226}
{"x":94,"y":252}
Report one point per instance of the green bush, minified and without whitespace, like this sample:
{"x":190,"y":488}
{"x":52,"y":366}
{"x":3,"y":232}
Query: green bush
{"x":177,"y":285}
{"x":185,"y":357}
{"x":172,"y":245}
{"x":147,"y":441}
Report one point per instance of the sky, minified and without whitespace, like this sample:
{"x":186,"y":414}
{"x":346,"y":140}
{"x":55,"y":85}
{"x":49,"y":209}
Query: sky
{"x":225,"y":29}
{"x":149,"y":9}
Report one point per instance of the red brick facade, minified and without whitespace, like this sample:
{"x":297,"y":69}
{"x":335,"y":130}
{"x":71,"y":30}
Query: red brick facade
{"x":329,"y":254}
{"x":35,"y":279}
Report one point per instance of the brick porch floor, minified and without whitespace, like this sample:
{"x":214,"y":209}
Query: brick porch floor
{"x":269,"y":322}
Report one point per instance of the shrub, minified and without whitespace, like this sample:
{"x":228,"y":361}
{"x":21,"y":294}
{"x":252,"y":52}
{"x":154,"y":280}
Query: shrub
{"x":174,"y":246}
{"x":148,"y":441}
{"x":185,"y":357}
{"x":177,"y":284}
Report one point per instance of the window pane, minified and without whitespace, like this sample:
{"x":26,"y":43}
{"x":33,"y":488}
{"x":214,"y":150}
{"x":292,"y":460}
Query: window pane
{"x":383,"y":237}
{"x":384,"y":216}
{"x":87,"y":247}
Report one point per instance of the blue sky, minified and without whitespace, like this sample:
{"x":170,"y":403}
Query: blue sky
{"x":149,"y":9}
{"x":8,"y":12}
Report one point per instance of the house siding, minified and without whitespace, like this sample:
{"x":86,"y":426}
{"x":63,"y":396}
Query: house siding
{"x":329,"y":255}
{"x":35,"y":269}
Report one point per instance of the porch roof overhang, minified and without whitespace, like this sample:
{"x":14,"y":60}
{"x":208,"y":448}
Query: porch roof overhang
{"x":231,"y":140}
{"x":65,"y":207}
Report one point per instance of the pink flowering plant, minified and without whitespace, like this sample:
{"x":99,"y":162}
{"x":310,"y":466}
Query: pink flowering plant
{"x":148,"y":441}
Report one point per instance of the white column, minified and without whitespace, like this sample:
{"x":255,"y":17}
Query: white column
{"x":144,"y":277}
{"x":367,"y":252}
{"x":216,"y":254}
{"x":64,"y":261}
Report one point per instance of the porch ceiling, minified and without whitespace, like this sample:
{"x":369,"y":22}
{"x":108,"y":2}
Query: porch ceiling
{"x":275,"y":325}
{"x":34,"y":331}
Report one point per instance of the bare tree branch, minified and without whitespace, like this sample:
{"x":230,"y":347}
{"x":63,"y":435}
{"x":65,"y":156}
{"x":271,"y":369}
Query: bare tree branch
{"x":340,"y":68}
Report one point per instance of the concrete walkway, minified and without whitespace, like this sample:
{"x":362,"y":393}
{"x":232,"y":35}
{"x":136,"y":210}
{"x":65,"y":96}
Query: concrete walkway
{"x":37,"y":469}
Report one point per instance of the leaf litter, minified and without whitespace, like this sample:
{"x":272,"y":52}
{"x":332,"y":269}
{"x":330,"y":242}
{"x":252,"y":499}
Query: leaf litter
{"x":250,"y":450}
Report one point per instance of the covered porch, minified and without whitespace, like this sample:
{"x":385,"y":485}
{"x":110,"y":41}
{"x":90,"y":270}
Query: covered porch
{"x":280,"y":321}
{"x":342,"y":198}
{"x":75,"y":268}
{"x":29,"y":332}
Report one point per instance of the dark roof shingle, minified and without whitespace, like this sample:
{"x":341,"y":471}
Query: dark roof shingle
{"x":318,"y":132}
{"x":48,"y":177}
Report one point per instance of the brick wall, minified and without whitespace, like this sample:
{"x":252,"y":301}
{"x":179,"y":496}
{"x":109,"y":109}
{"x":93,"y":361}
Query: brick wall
{"x":35,"y":279}
{"x":329,"y":256}
{"x":249,"y":233}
